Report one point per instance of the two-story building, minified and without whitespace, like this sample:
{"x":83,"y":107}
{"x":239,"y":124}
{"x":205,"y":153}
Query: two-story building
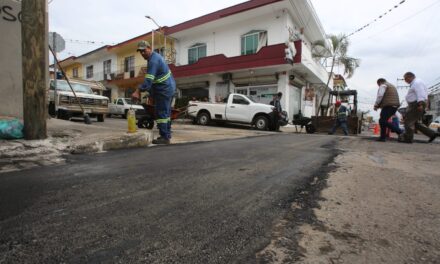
{"x":256,"y":48}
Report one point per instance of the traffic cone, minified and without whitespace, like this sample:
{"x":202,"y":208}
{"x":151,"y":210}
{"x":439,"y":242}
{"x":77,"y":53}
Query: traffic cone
{"x":376,"y":129}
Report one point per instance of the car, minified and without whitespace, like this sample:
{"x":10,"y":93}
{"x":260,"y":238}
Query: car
{"x":63,"y":104}
{"x":435,"y":125}
{"x":120,"y":106}
{"x":237,"y":108}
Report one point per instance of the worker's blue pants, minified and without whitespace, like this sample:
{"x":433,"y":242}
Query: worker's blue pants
{"x":163,"y":114}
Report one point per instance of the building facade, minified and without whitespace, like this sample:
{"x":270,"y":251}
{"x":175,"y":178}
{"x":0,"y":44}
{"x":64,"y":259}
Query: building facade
{"x":257,"y":48}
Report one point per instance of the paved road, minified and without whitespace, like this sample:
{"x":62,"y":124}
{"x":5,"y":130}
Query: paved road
{"x":212,"y":202}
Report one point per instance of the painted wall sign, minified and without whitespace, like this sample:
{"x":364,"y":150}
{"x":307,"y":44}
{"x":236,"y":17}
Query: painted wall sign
{"x":9,"y":13}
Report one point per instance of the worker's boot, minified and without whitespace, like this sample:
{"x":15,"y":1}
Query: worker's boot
{"x":161,"y":141}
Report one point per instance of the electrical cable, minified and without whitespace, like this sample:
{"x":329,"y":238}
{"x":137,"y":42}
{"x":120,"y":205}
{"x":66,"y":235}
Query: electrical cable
{"x":403,"y":20}
{"x":375,"y":20}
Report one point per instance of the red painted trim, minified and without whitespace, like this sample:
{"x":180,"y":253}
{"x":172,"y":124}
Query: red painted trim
{"x":135,"y":39}
{"x":229,"y":11}
{"x":267,"y":56}
{"x":249,"y":5}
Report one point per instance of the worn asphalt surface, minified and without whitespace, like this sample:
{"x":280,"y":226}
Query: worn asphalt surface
{"x":212,"y":202}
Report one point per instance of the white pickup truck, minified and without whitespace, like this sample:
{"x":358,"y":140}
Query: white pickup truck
{"x":64,"y":105}
{"x":237,"y":108}
{"x":120,"y":106}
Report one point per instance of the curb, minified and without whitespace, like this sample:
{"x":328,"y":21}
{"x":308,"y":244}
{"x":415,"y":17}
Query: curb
{"x":135,"y":140}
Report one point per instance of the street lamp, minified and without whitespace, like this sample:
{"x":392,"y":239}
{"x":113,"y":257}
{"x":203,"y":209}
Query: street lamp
{"x":160,"y":30}
{"x":154,"y":21}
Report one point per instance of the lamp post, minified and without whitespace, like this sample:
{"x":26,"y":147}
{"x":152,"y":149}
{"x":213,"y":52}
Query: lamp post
{"x":154,"y":21}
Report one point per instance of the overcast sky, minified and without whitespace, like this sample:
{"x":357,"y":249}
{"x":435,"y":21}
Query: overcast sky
{"x":404,"y":40}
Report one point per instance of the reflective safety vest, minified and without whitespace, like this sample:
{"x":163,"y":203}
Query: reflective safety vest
{"x":158,"y":79}
{"x":341,"y":115}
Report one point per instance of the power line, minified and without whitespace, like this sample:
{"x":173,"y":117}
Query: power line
{"x":88,"y":42}
{"x":376,"y":19}
{"x":403,"y":20}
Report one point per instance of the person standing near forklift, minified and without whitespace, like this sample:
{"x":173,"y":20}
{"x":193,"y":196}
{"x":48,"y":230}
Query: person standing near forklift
{"x":341,"y":119}
{"x":160,"y":84}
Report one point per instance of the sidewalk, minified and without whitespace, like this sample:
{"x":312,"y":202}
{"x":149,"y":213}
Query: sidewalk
{"x":75,"y":137}
{"x":66,"y":137}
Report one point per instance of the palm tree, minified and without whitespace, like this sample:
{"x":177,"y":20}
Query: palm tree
{"x":336,"y":50}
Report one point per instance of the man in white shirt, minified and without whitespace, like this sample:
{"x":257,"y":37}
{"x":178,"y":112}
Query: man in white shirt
{"x":416,"y":98}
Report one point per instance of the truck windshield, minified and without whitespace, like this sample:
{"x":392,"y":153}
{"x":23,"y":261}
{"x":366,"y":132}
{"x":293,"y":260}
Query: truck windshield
{"x":78,"y":88}
{"x":128,"y":101}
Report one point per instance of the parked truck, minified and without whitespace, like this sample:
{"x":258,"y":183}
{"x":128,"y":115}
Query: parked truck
{"x":237,"y":108}
{"x":120,"y":106}
{"x":64,"y":105}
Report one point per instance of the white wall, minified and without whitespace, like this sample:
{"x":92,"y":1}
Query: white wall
{"x":11,"y":81}
{"x":227,"y":39}
{"x":98,"y":67}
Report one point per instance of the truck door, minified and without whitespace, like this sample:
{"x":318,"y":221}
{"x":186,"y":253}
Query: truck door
{"x":237,"y":109}
{"x":120,"y":106}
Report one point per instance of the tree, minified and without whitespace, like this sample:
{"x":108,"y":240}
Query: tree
{"x":335,"y":49}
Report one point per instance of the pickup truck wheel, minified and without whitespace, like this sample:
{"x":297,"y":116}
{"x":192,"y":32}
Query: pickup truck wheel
{"x":61,"y":114}
{"x":203,"y":119}
{"x":144,"y":123}
{"x":125,"y":114}
{"x":261,"y":123}
{"x":100,"y":118}
{"x":52,"y":111}
{"x":310,"y":129}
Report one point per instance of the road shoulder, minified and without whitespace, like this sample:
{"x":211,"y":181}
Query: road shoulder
{"x":379,"y":205}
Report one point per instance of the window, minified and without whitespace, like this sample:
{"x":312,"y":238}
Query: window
{"x":239,"y":100}
{"x":89,"y":71}
{"x":120,"y":102}
{"x":107,"y":66}
{"x":129,"y":64}
{"x":253,"y":41}
{"x":75,"y":72}
{"x":196,"y":52}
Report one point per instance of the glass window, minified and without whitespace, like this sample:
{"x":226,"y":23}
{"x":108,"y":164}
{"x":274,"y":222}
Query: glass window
{"x":75,"y":72}
{"x":120,"y":102}
{"x":129,"y":64}
{"x":89,"y":71}
{"x":253,"y":41}
{"x":107,"y":66}
{"x":196,"y":52}
{"x":77,"y":87}
{"x":239,"y":100}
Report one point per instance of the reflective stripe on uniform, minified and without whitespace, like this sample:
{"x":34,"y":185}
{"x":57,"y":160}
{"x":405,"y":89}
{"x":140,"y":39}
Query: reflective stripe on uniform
{"x":163,"y":120}
{"x":163,"y":78}
{"x":149,"y":76}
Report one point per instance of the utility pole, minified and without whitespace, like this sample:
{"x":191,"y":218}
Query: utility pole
{"x":34,"y":30}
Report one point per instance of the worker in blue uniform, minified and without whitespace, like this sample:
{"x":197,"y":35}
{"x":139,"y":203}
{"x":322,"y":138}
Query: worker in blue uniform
{"x":160,"y":84}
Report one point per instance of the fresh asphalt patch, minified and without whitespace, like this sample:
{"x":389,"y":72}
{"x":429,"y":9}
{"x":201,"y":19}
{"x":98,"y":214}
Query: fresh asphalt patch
{"x":214,"y":202}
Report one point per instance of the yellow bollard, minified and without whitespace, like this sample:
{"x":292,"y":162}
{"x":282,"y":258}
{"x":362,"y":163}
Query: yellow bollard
{"x":131,"y":119}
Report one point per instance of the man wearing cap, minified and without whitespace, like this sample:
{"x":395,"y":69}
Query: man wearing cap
{"x":161,"y":85}
{"x":341,"y":119}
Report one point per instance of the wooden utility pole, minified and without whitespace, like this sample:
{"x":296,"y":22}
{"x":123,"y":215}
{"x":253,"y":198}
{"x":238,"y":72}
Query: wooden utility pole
{"x":34,"y":33}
